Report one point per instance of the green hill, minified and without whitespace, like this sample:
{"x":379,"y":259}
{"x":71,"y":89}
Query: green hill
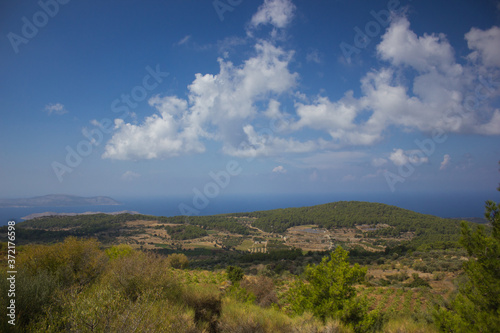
{"x":348,"y":214}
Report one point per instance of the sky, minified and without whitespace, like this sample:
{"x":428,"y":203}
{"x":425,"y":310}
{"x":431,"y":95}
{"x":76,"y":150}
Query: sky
{"x":181,"y":97}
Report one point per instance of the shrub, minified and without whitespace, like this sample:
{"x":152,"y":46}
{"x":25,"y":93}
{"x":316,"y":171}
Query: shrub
{"x":263,"y":289}
{"x":119,"y":251}
{"x":139,"y":272}
{"x":72,"y":262}
{"x":33,"y":293}
{"x":355,"y":314}
{"x":234,"y":274}
{"x":178,"y":260}
{"x":329,"y":287}
{"x":207,"y":306}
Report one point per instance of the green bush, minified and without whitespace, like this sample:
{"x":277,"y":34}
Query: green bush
{"x":119,"y":251}
{"x":234,"y":274}
{"x":178,"y":260}
{"x":329,"y":291}
{"x":72,"y":262}
{"x":356,"y":315}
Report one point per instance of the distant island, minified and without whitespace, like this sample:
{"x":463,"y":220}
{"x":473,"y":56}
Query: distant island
{"x":58,"y":200}
{"x":37,"y":215}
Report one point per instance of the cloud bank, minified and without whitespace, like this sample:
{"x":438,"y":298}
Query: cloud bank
{"x":420,"y":87}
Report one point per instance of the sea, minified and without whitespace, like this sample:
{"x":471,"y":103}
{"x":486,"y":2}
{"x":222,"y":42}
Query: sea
{"x":447,"y":205}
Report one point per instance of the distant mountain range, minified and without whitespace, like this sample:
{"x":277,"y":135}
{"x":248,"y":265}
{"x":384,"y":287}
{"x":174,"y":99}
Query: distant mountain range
{"x":58,"y":200}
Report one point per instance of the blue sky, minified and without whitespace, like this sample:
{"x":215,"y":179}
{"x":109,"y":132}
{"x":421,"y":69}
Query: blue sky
{"x":164,"y":98}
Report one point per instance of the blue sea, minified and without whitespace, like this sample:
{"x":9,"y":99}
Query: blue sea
{"x":443,"y":205}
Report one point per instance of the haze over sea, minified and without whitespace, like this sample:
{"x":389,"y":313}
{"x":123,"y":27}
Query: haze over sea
{"x":439,"y":204}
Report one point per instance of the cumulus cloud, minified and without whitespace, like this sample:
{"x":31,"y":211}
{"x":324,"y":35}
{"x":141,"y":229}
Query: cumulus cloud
{"x":445,"y":162}
{"x":279,"y":13}
{"x":279,"y":169}
{"x":441,"y":95}
{"x":219,"y":107}
{"x":485,"y":45}
{"x":164,"y":134}
{"x":57,"y":109}
{"x":400,"y":157}
{"x":230,"y":106}
{"x":401,"y":46}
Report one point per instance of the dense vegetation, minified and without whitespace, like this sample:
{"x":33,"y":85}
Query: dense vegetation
{"x":183,"y":232}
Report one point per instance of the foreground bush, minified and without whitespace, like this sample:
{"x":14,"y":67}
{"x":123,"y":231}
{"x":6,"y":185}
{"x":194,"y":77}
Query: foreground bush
{"x":329,"y":293}
{"x":45,"y":271}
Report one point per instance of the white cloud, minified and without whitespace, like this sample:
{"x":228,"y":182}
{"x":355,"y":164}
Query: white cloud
{"x":485,"y":45}
{"x":130,"y":175}
{"x":57,"y":109}
{"x":266,"y":144}
{"x":279,"y":169}
{"x":435,"y":98}
{"x":400,"y":157}
{"x":184,"y":40}
{"x":326,"y":115}
{"x":493,"y":126}
{"x":219,"y":107}
{"x":445,"y":162}
{"x":279,"y":13}
{"x":162,"y":135}
{"x":228,"y":107}
{"x":401,"y":46}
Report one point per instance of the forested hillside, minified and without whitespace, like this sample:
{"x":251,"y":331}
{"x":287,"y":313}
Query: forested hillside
{"x":348,"y":214}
